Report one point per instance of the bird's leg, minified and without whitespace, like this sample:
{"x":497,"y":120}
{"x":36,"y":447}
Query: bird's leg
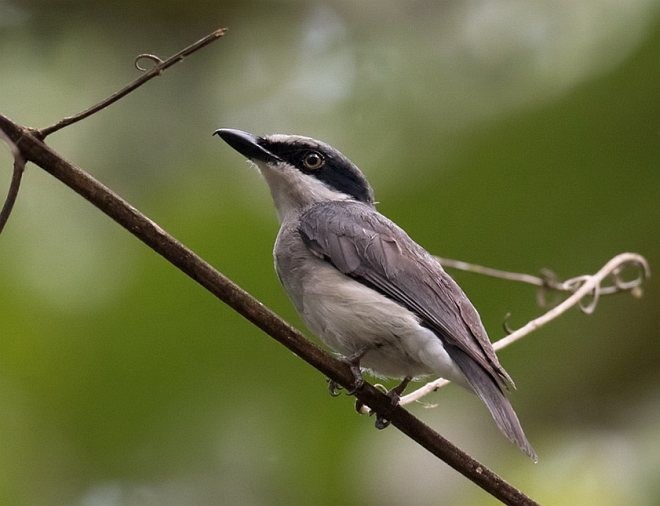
{"x":395,"y":396}
{"x":395,"y":393}
{"x":353,"y":362}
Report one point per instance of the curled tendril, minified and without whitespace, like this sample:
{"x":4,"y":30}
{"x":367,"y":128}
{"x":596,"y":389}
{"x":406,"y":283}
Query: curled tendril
{"x":505,"y":324}
{"x":588,"y":303}
{"x":642,"y":273}
{"x":618,"y":284}
{"x":552,"y":284}
{"x":617,"y":277}
{"x":146,"y":56}
{"x":549,"y":284}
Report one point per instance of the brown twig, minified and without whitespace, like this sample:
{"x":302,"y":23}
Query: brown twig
{"x":196,"y":268}
{"x":156,"y":70}
{"x":14,"y":186}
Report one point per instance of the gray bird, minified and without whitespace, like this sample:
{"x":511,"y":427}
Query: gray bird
{"x":362,"y":285}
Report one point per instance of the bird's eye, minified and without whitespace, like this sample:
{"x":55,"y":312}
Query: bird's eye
{"x":313,"y":160}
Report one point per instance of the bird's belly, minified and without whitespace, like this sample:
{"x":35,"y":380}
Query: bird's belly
{"x":351,"y":318}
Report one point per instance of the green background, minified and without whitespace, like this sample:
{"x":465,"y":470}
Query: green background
{"x":514,"y":134}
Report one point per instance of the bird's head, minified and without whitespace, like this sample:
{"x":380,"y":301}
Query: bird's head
{"x":300,"y":171}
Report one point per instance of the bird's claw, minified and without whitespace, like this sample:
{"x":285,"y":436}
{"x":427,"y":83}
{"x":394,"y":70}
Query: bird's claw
{"x":395,"y":397}
{"x":353,"y":363}
{"x":358,"y":382}
{"x":381,"y":423}
{"x":334,"y":388}
{"x":357,"y":385}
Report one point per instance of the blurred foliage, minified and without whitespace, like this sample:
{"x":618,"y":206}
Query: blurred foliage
{"x":518,"y":135}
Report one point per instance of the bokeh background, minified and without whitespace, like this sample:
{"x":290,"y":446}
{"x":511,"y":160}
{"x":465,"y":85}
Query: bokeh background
{"x":516,"y":134}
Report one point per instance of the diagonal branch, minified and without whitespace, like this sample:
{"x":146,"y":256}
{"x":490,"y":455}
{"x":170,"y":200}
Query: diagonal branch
{"x":14,"y":186}
{"x":199,"y":270}
{"x":156,"y":70}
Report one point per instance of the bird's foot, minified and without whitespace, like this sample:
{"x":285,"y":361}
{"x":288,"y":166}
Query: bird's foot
{"x":353,"y":362}
{"x":395,"y":396}
{"x":334,"y":388}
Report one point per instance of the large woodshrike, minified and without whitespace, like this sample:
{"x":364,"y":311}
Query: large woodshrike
{"x":362,"y":285}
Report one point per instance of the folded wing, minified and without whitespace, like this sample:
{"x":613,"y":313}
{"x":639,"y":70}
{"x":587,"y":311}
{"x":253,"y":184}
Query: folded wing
{"x":363,"y":244}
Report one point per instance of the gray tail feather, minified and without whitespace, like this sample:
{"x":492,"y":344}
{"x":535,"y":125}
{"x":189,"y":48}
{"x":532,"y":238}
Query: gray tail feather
{"x":492,"y":395}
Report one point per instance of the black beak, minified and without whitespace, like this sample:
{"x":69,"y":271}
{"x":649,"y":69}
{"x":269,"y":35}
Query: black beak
{"x":246,"y":144}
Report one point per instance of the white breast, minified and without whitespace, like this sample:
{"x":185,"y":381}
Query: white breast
{"x":350,"y":317}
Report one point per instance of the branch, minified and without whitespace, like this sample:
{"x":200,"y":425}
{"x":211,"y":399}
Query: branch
{"x":495,"y":273}
{"x":581,"y":286}
{"x":156,"y":70}
{"x":27,"y":145}
{"x":547,"y":281}
{"x":224,"y":289}
{"x":14,"y":186}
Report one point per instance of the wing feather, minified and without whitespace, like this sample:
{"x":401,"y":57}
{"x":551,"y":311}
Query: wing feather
{"x":365,"y":245}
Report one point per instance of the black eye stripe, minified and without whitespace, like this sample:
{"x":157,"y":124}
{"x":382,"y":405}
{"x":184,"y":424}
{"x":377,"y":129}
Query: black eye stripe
{"x":335,"y":170}
{"x":342,"y":178}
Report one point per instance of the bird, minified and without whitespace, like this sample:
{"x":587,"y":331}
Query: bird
{"x":363,"y":286}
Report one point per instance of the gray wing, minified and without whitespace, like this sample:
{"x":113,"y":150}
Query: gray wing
{"x":365,"y":245}
{"x":368,"y":247}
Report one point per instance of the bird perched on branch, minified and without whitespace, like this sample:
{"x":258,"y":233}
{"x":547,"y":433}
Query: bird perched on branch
{"x":363,"y":286}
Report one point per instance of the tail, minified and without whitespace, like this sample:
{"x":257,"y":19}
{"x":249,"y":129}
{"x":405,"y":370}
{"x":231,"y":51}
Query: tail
{"x":494,"y":398}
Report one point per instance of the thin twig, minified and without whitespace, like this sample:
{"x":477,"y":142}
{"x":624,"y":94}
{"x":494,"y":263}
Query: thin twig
{"x":489,"y":271}
{"x":234,"y":296}
{"x":582,"y":287}
{"x":156,"y":70}
{"x":547,"y":281}
{"x":15,"y":185}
